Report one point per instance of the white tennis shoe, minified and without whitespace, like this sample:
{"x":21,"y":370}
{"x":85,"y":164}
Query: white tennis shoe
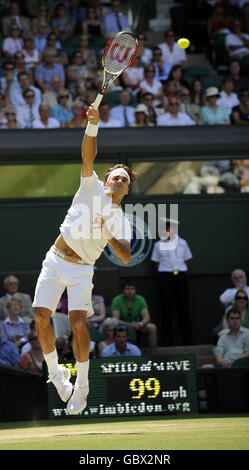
{"x":78,"y":400}
{"x":62,"y":383}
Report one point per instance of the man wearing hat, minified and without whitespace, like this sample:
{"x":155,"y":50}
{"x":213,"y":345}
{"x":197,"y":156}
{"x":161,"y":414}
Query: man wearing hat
{"x":171,"y":254}
{"x":212,"y":113}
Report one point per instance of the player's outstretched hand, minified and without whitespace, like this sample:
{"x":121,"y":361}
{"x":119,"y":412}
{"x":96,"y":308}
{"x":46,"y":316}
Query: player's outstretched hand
{"x":92,"y":115}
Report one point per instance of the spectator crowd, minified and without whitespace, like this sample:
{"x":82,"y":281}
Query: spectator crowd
{"x":50,"y":70}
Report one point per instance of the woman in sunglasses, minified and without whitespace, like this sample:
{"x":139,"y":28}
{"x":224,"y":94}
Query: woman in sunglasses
{"x":241,"y":304}
{"x":10,"y":114}
{"x":62,"y":112}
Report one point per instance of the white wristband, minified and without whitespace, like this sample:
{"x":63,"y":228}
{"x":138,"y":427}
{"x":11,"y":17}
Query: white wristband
{"x":92,"y":129}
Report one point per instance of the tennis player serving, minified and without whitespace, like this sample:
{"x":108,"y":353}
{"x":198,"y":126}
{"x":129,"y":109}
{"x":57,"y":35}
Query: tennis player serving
{"x":96,"y":207}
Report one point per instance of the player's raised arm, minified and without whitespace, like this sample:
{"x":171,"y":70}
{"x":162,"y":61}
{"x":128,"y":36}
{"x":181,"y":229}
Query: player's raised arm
{"x":89,"y":143}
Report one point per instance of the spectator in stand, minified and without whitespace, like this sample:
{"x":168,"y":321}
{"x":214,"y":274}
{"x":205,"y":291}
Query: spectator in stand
{"x":191,"y":109}
{"x":170,"y":91}
{"x":105,"y":120}
{"x":121,"y":346}
{"x":176,"y":74}
{"x":13,"y":43}
{"x":239,"y":81}
{"x":144,"y":53}
{"x":33,"y":6}
{"x":42,"y":17}
{"x":212,"y":114}
{"x":76,"y":13}
{"x":98,"y":303}
{"x":133,"y":76}
{"x":3,"y":119}
{"x":240,"y":303}
{"x":89,"y":55}
{"x":233,"y":342}
{"x":123,"y":112}
{"x":77,"y":70}
{"x":240,"y":113}
{"x":173,"y":117}
{"x":14,"y":327}
{"x":151,"y":85}
{"x":41,"y":36}
{"x":239,"y":280}
{"x":8,"y":78}
{"x":102,"y":10}
{"x":78,"y":120}
{"x":131,"y":310}
{"x":172,"y":255}
{"x":10,"y":114}
{"x":218,"y":21}
{"x":27,"y":113}
{"x":32,"y":56}
{"x":108,"y":329}
{"x":141,"y":117}
{"x":228,"y":99}
{"x":92,"y":26}
{"x":237,"y":42}
{"x":33,"y":359}
{"x":115,"y":21}
{"x":20,"y":66}
{"x":63,"y":26}
{"x":172,"y":53}
{"x":11,"y":286}
{"x":61,"y":56}
{"x":45,"y":121}
{"x":162,"y":69}
{"x":15,"y":19}
{"x":196,"y":93}
{"x":50,"y":96}
{"x":9,"y":354}
{"x":153,"y":111}
{"x":245,"y":18}
{"x":87,"y":98}
{"x":62,"y":112}
{"x":48,"y":69}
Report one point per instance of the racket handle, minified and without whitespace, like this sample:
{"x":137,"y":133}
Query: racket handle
{"x":98,"y":100}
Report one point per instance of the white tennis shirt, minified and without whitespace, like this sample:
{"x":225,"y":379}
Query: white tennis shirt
{"x":78,"y":228}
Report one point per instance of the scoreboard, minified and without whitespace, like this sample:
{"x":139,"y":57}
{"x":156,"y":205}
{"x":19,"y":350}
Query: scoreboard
{"x":135,"y":386}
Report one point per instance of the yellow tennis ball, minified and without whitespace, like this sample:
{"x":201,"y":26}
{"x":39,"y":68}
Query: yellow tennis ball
{"x":183,"y":43}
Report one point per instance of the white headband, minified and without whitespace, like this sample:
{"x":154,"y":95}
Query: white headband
{"x":117,"y":172}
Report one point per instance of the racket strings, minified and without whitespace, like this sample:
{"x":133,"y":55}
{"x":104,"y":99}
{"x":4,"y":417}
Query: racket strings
{"x":119,"y":54}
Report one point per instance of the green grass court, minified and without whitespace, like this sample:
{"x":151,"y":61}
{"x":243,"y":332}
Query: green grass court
{"x":165,"y":433}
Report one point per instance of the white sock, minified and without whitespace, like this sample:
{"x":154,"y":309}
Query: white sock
{"x":82,"y":374}
{"x":52,"y":362}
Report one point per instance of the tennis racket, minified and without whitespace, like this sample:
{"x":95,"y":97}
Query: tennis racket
{"x":119,"y":53}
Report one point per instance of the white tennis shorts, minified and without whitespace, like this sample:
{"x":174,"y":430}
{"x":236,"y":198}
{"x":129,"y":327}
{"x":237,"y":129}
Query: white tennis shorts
{"x":58,"y":274}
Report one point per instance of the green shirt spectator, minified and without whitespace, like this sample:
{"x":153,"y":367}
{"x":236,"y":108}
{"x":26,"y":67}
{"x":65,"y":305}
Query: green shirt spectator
{"x":131,"y":310}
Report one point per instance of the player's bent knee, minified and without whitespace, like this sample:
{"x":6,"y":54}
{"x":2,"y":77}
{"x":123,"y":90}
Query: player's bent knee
{"x":77,"y":320}
{"x":42,"y":316}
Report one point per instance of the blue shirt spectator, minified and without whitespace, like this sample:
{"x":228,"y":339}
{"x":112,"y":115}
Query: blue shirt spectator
{"x":14,"y":328}
{"x":9,"y":355}
{"x":115,"y":21}
{"x":213,"y":114}
{"x":48,"y":69}
{"x":61,"y":113}
{"x":121,"y":347}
